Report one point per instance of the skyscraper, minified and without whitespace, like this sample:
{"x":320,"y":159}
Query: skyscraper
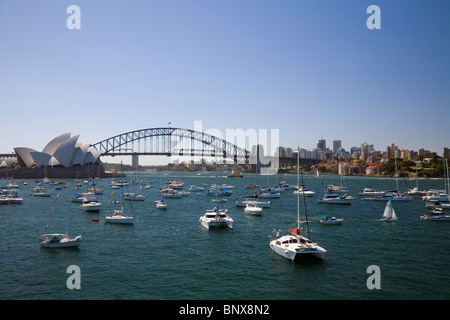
{"x":337,"y":144}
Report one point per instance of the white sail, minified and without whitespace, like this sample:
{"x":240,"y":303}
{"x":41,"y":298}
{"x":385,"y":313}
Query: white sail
{"x":389,"y":212}
{"x":393,"y":215}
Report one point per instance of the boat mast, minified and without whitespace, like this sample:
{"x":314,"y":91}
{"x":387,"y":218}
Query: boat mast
{"x":303,"y":192}
{"x":298,"y":186}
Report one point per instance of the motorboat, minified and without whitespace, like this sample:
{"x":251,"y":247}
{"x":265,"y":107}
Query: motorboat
{"x":194,"y":188}
{"x":133,"y":196}
{"x":370,"y":192}
{"x":436,"y":214}
{"x":333,"y":198}
{"x":393,"y":195}
{"x":160,"y":204}
{"x":243,"y":202}
{"x":78,"y":197}
{"x":286,"y":186}
{"x":268,"y":194}
{"x":11,"y":198}
{"x":41,"y":192}
{"x":170,"y":193}
{"x":328,"y":219}
{"x":216,"y":218}
{"x":218,"y":191}
{"x":437,"y":204}
{"x":59,"y":240}
{"x":90,"y":204}
{"x":337,"y":189}
{"x":294,"y":246}
{"x":436,"y":195}
{"x":303,"y":191}
{"x":253,"y":209}
{"x":415,"y":192}
{"x":389,"y":213}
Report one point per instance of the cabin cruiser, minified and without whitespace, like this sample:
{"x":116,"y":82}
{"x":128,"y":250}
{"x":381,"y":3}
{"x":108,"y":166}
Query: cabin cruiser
{"x":216,"y":219}
{"x":59,"y":240}
{"x":328,"y":219}
{"x":436,"y":214}
{"x":333,"y":198}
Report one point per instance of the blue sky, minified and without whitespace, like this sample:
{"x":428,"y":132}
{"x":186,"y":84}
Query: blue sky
{"x":308,"y":68}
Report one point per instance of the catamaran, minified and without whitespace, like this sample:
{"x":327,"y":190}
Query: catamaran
{"x":293,"y":245}
{"x":216,"y":219}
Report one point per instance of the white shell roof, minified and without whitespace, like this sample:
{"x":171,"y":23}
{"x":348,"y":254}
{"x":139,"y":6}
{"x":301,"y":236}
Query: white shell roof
{"x":25,"y":156}
{"x":62,"y":150}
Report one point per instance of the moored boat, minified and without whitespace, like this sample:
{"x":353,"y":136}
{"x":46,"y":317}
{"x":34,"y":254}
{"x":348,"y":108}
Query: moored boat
{"x":216,"y":218}
{"x":328,"y":219}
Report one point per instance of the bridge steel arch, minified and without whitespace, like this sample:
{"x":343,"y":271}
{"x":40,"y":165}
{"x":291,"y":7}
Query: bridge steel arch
{"x":171,"y":142}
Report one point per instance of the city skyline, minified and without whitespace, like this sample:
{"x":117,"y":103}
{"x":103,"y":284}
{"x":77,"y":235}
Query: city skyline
{"x":307,"y":69}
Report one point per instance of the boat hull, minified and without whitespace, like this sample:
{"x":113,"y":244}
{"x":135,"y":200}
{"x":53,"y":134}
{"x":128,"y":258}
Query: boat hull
{"x":65,"y":243}
{"x":216,"y":224}
{"x":119,"y":220}
{"x":299,"y":253}
{"x":334,"y":201}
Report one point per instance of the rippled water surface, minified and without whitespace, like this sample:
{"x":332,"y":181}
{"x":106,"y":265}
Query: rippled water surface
{"x":168,"y":255}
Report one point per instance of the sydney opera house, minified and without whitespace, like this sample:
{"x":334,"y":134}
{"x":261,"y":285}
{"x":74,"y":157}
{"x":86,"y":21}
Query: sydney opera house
{"x":62,"y":157}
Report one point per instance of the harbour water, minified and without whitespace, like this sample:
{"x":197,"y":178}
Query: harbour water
{"x":167,"y":255}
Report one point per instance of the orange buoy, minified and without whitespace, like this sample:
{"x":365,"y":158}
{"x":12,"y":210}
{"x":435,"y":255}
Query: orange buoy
{"x":95,"y":220}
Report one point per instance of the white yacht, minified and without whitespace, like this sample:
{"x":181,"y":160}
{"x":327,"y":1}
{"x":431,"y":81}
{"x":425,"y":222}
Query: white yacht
{"x":59,"y":240}
{"x":436,"y":214}
{"x":160,"y":204}
{"x":328,"y":219}
{"x":41,"y":192}
{"x":370,"y":192}
{"x":243,"y":202}
{"x":333,"y":198}
{"x":89,"y":202}
{"x":90,"y":205}
{"x":118,"y":217}
{"x":436,"y":195}
{"x":393,"y":195}
{"x":133,"y":196}
{"x":303,"y":191}
{"x":253,"y":209}
{"x":216,"y":219}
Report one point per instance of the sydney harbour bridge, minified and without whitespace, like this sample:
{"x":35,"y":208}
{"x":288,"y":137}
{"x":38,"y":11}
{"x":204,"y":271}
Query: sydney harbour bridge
{"x":168,"y":141}
{"x":171,"y":142}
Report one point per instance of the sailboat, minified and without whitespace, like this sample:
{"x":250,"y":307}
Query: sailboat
{"x":293,"y":245}
{"x":389,"y":213}
{"x":393,"y":195}
{"x":57,"y":240}
{"x":118,"y":216}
